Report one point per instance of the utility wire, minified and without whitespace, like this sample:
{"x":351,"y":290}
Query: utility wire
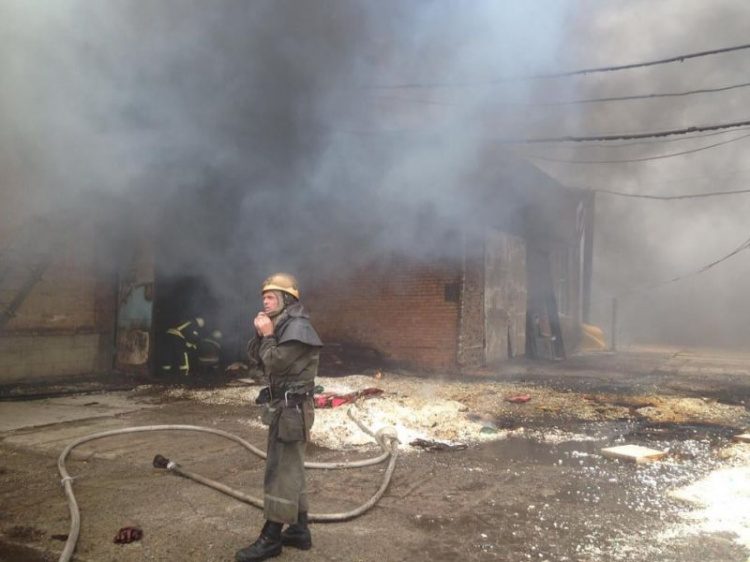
{"x":644,"y":159}
{"x":581,"y":101}
{"x":704,"y":177}
{"x":744,"y":246}
{"x":638,"y":96}
{"x":671,"y":197}
{"x":664,"y":140}
{"x":585,"y":71}
{"x":628,"y":136}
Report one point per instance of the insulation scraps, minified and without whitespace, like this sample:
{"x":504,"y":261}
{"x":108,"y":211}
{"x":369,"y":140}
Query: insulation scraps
{"x":334,"y":400}
{"x":519,"y":398}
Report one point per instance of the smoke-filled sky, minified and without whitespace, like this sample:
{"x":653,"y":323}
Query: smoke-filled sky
{"x":267,"y":134}
{"x":644,"y":242}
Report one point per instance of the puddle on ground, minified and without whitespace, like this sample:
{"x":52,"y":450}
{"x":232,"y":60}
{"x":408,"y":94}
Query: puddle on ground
{"x":540,"y":444}
{"x":671,"y":431}
{"x":607,"y":509}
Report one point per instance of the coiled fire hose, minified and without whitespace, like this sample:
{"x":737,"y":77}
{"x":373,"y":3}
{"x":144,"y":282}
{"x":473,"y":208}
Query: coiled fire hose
{"x":386,"y":438}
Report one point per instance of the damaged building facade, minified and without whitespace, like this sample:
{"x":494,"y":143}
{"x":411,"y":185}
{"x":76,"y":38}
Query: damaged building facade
{"x":514,"y":284}
{"x":510,"y":284}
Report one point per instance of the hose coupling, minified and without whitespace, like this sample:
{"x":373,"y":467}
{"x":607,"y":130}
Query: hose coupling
{"x":161,"y":462}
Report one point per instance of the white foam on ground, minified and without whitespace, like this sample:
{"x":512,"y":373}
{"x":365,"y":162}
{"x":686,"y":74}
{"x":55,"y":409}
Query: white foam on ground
{"x":720,"y":503}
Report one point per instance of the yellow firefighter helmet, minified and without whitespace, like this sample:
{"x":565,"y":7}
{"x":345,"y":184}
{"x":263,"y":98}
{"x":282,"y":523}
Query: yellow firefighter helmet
{"x":281,"y":282}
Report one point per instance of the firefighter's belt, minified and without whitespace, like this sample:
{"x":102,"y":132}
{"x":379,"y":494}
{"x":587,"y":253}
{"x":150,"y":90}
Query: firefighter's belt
{"x":295,"y":398}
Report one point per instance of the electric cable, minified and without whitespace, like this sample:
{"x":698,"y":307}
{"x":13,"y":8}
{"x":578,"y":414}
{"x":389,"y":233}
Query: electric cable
{"x":632,"y":160}
{"x":744,"y":246}
{"x":671,"y":197}
{"x":652,"y":142}
{"x":581,"y":72}
{"x":578,"y":101}
{"x":628,"y":136}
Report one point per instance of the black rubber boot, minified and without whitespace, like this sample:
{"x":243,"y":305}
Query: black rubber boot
{"x":267,"y":546}
{"x":298,"y":534}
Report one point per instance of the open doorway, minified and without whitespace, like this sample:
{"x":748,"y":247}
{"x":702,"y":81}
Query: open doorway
{"x":180,"y":299}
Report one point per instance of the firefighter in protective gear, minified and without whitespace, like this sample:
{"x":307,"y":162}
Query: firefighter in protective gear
{"x":286,"y":348}
{"x":209,"y":354}
{"x":182,"y":343}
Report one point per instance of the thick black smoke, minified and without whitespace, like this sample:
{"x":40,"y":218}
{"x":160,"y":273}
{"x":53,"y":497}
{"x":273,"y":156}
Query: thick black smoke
{"x":255,"y":135}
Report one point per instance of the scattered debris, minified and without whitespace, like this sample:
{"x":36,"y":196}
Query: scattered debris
{"x":236,"y":366}
{"x":128,"y":535}
{"x":334,"y":400}
{"x":456,"y":411}
{"x":431,"y":445}
{"x":744,"y":438}
{"x":633,"y":453}
{"x":519,"y":398}
{"x":378,"y":375}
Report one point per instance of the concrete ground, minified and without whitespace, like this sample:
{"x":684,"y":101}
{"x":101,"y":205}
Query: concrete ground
{"x":528,"y":496}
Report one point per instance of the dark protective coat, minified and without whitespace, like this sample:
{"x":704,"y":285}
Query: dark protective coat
{"x":181,"y":347}
{"x":289,"y":360}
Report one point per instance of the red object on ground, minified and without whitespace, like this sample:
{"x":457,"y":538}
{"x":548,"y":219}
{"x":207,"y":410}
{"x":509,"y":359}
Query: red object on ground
{"x":334,"y":400}
{"x":519,"y":398}
{"x":128,"y":534}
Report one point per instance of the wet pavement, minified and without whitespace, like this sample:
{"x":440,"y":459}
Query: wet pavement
{"x":544,"y":493}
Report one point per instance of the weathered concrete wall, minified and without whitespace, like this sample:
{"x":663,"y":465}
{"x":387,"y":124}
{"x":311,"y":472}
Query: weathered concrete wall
{"x":405,"y":311}
{"x":504,"y":296}
{"x":64,"y":327}
{"x":471,"y":318}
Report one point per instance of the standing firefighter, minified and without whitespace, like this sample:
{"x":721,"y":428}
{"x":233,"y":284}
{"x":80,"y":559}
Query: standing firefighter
{"x":182,"y":345}
{"x":286,"y":348}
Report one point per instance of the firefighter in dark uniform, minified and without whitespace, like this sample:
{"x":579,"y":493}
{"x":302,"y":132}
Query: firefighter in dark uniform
{"x":286,"y":348}
{"x":182,"y":345}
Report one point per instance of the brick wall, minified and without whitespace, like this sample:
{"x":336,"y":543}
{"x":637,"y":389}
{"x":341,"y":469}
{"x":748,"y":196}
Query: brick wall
{"x":399,"y":309}
{"x":65,"y":325}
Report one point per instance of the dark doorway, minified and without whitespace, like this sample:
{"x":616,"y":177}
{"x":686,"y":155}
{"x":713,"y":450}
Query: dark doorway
{"x":180,"y":299}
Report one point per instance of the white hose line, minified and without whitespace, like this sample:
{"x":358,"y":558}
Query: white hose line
{"x":66,"y":479}
{"x":313,"y":517}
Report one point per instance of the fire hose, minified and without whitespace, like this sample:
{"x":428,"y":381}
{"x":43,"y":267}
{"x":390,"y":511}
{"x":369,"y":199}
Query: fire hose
{"x":386,"y":438}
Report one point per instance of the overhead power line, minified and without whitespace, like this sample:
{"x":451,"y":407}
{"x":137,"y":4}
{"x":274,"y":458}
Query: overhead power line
{"x":629,"y":136}
{"x":744,"y":246}
{"x":640,"y":96}
{"x":644,"y":159}
{"x":579,"y":101}
{"x":671,"y":197}
{"x":581,"y":72}
{"x":652,"y":142}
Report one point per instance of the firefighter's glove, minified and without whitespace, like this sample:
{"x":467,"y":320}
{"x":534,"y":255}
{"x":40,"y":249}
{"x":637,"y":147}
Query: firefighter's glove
{"x":264,"y":396}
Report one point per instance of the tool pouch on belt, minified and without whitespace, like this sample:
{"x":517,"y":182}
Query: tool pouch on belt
{"x":292,"y":424}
